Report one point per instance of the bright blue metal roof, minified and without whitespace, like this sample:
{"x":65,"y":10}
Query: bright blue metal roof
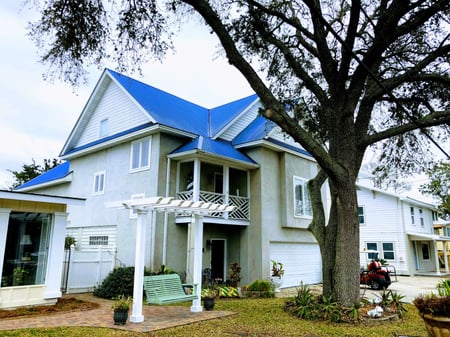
{"x":216,"y":147}
{"x":165,"y":108}
{"x":58,"y":172}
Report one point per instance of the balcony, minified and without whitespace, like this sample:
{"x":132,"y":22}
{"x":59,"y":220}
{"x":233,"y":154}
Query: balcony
{"x":241,"y":212}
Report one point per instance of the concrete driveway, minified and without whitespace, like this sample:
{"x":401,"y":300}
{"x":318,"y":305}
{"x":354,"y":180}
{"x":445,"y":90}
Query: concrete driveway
{"x":408,"y":286}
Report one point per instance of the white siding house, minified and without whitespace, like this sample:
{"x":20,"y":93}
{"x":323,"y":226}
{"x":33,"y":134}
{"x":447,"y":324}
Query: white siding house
{"x":401,"y":230}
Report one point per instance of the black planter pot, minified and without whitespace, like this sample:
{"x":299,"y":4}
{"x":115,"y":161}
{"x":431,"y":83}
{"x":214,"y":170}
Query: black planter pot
{"x":120,"y":317}
{"x":208,"y":303}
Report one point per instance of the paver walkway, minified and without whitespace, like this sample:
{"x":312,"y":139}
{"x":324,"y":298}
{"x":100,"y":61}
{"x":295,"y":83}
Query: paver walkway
{"x":155,"y":317}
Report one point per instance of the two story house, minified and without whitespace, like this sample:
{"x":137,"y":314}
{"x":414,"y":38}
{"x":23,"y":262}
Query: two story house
{"x":400,"y":230}
{"x":134,"y":141}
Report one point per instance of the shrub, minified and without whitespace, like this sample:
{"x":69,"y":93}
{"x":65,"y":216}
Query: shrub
{"x":120,"y":281}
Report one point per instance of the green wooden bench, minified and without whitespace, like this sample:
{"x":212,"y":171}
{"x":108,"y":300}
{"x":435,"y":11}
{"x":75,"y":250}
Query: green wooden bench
{"x":167,"y":288}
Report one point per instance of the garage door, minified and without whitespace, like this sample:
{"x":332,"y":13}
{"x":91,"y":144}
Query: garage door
{"x":301,"y":261}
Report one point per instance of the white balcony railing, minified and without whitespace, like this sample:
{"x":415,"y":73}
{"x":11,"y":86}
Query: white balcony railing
{"x":241,"y":212}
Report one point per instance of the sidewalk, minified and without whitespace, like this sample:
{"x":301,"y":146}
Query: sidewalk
{"x":155,"y":317}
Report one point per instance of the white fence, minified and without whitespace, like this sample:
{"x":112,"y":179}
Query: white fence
{"x":84,"y":270}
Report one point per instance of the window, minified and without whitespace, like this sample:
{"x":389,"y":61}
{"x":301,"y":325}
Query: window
{"x":133,"y":213}
{"x":140,"y":154}
{"x":388,"y":251}
{"x":302,"y":202}
{"x":99,"y":240}
{"x":422,"y":221}
{"x":374,"y":247}
{"x":104,"y":128}
{"x":434,"y":215}
{"x":425,"y":251}
{"x":412,"y":215}
{"x":99,"y":183}
{"x":26,"y":249}
{"x":361,"y":215}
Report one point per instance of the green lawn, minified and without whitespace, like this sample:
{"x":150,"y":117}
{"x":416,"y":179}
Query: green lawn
{"x":254,"y":318}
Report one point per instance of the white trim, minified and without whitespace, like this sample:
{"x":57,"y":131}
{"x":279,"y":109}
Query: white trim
{"x":133,"y":212}
{"x":140,"y":142}
{"x":13,"y":195}
{"x":305,"y":195}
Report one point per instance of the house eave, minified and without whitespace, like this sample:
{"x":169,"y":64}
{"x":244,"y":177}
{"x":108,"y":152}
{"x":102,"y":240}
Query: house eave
{"x":37,"y":197}
{"x":210,"y":156}
{"x":64,"y":180}
{"x":126,"y":138}
{"x":275,"y":147}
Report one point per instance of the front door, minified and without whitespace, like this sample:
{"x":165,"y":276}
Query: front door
{"x":218,"y":259}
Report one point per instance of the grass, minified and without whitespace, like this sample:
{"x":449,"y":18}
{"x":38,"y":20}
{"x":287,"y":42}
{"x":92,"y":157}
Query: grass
{"x":254,"y":318}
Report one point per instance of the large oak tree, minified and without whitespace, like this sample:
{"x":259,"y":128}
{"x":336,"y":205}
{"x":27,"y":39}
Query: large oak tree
{"x":338,"y":76}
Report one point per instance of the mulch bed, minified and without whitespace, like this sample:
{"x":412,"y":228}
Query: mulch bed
{"x":62,"y":305}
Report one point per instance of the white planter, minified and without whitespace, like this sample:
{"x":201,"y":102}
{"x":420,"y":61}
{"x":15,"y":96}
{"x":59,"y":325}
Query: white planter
{"x":277,"y":282}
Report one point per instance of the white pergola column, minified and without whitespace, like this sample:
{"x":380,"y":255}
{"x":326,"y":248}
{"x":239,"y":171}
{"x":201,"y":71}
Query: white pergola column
{"x":197,"y":261}
{"x":136,"y":315}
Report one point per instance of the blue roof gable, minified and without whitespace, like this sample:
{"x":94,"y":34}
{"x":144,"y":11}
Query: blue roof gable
{"x":58,"y":172}
{"x":214,"y":147}
{"x":224,"y":114}
{"x":258,"y":129}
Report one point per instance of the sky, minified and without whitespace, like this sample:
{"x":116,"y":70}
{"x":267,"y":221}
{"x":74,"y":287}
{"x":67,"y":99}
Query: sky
{"x":37,"y":116}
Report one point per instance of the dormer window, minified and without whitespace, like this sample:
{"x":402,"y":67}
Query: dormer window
{"x":104,"y":128}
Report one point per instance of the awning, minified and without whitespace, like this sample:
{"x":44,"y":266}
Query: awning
{"x":427,"y":237}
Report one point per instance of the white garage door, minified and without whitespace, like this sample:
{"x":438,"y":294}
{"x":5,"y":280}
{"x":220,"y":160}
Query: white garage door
{"x":301,"y":262}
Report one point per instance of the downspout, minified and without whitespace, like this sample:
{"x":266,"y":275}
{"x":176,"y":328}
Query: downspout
{"x":166,"y":216}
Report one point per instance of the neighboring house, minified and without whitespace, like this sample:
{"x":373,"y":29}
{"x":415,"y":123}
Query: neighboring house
{"x":401,"y":230}
{"x":133,"y":141}
{"x":32,"y":232}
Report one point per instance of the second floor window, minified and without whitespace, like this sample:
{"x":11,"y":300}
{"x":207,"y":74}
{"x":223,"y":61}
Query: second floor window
{"x":140,"y":154}
{"x":361,"y":219}
{"x":302,"y":201}
{"x":412,"y":215}
{"x":422,"y":221}
{"x":99,"y":183}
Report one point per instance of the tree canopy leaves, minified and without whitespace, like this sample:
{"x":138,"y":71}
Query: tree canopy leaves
{"x":30,"y":171}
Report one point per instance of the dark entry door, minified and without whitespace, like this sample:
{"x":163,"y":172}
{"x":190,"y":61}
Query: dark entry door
{"x":217,"y":259}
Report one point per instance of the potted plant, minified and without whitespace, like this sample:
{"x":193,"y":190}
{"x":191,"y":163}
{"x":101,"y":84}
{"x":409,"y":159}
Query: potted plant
{"x":235,"y":277}
{"x":435,"y":310}
{"x":121,"y":306}
{"x":277,"y":275}
{"x":209,"y":298}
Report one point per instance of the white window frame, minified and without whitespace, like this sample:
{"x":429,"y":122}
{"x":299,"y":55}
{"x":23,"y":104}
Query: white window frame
{"x":388,"y":250}
{"x":422,"y":220}
{"x":137,"y":148}
{"x":362,"y":215}
{"x":412,"y":211}
{"x":369,"y":255}
{"x":99,"y":183}
{"x":103,"y":128}
{"x":305,"y":203}
{"x":133,"y":213}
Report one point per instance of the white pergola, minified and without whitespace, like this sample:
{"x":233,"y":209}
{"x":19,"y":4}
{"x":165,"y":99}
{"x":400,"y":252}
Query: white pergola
{"x":197,"y":209}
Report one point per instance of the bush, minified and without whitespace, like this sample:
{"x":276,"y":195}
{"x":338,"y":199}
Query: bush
{"x":120,"y":281}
